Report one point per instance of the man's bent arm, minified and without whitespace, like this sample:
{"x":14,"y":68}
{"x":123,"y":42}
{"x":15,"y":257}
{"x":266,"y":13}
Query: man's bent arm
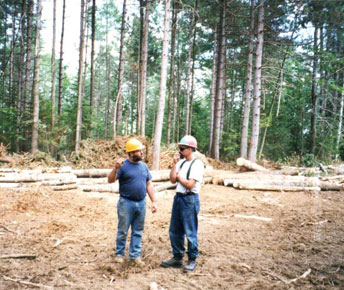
{"x":112,"y":176}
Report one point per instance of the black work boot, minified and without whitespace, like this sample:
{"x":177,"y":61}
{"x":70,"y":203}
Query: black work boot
{"x":190,"y":266}
{"x":175,"y":262}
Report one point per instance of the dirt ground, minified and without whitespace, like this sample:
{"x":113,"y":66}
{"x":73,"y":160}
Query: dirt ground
{"x":71,"y":236}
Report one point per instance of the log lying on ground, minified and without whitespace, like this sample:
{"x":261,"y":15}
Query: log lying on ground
{"x":91,"y":172}
{"x":249,"y":165}
{"x":160,"y":175}
{"x":16,"y":177}
{"x":275,"y":180}
{"x":164,"y":186}
{"x":268,"y":187}
{"x":64,"y":187}
{"x":285,"y":183}
{"x":8,"y":170}
{"x":91,"y":181}
{"x":113,"y":187}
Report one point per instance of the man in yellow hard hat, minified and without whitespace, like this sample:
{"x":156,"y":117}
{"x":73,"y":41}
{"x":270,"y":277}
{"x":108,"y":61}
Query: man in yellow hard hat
{"x":135,"y":181}
{"x":188,"y":172}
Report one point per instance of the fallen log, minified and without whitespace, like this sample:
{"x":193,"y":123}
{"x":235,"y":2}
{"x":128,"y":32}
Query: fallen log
{"x":16,"y":177}
{"x":92,"y":181}
{"x":256,"y":175}
{"x":166,"y":185}
{"x":329,"y":186}
{"x":276,"y":180}
{"x":10,"y":185}
{"x":160,"y":175}
{"x":249,"y":165}
{"x":113,"y":187}
{"x":91,"y":172}
{"x":268,"y":187}
{"x":64,"y":187}
{"x":169,"y":185}
{"x":8,"y":170}
{"x":57,"y":182}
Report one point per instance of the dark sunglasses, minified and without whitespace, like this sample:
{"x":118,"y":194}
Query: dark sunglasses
{"x":183,"y":148}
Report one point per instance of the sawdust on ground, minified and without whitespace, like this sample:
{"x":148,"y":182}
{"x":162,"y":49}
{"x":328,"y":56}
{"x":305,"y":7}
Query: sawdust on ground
{"x":247,"y":240}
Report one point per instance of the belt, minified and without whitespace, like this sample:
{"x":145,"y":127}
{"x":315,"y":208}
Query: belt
{"x":185,"y":194}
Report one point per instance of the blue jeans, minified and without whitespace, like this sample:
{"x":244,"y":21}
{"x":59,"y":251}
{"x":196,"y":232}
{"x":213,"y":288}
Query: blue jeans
{"x":184,"y":222}
{"x":130,"y":213}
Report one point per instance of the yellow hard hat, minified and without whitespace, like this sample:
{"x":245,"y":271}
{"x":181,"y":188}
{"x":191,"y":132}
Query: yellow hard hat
{"x":133,"y":145}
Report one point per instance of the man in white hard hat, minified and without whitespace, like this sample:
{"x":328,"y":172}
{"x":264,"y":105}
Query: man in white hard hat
{"x":188,"y":172}
{"x":135,"y":181}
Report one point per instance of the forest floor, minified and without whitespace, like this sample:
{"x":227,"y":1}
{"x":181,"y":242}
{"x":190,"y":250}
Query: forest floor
{"x":71,"y":237}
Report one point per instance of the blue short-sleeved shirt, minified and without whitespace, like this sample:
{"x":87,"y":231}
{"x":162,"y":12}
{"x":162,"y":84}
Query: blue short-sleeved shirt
{"x":132,"y":178}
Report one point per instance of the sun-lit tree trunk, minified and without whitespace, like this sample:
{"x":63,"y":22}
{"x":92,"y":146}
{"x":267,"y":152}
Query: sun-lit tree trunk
{"x":247,"y":98}
{"x":59,"y":105}
{"x":340,"y":120}
{"x":193,"y":58}
{"x":107,"y":106}
{"x":20,"y":98}
{"x":11,"y":61}
{"x":35,"y":85}
{"x":80,"y":77}
{"x":314,"y":92}
{"x":93,"y":36}
{"x":177,"y":117}
{"x":171,"y":106}
{"x":220,"y":82}
{"x":162,"y":93}
{"x":139,"y":70}
{"x":213,"y":90}
{"x":28,"y":55}
{"x":189,"y":72}
{"x":53,"y":69}
{"x":117,"y":120}
{"x":257,"y":88}
{"x":143,"y":75}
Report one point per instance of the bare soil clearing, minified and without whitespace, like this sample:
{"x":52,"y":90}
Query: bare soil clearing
{"x":71,"y":234}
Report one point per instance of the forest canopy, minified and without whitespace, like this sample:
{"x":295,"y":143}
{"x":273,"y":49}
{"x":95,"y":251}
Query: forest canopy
{"x":251,"y":78}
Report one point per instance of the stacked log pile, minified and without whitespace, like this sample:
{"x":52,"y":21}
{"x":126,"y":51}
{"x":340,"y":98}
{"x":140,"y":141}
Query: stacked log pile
{"x":95,"y":180}
{"x":66,"y":178}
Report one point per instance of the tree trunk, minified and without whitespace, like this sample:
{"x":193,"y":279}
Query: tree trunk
{"x":28,"y":70}
{"x":340,"y":122}
{"x":220,"y":82}
{"x":247,"y":98}
{"x":118,"y":108}
{"x":53,"y":70}
{"x":80,"y":78}
{"x":139,"y":71}
{"x":107,"y":65}
{"x":314,"y":92}
{"x":171,"y":107}
{"x":257,"y":85}
{"x":143,"y":81}
{"x":11,"y":61}
{"x":59,"y":106}
{"x":21,"y":89}
{"x":162,"y":93}
{"x":93,"y":36}
{"x":213,"y":90}
{"x":189,"y":72}
{"x":35,"y":85}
